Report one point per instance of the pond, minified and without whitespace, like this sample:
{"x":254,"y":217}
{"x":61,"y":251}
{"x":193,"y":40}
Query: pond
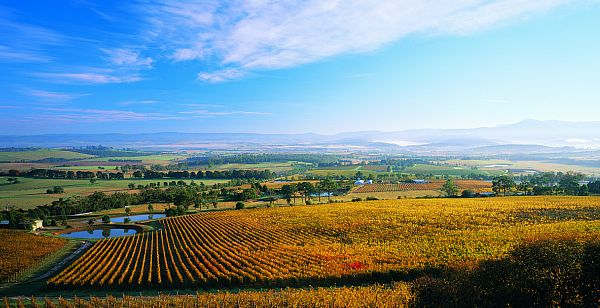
{"x":133,"y":218}
{"x":99,"y":233}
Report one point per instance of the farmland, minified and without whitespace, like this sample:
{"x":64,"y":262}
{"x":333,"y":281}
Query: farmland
{"x":31,"y":192}
{"x":478,"y":186}
{"x":327,"y":243}
{"x":39,"y":155}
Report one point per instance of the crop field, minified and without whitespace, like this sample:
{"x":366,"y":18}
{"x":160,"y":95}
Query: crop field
{"x":475,"y":185}
{"x":20,"y":250}
{"x":30,"y":192}
{"x":312,"y":245}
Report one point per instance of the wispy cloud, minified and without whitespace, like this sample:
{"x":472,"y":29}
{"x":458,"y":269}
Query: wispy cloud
{"x":127,"y":57}
{"x":204,"y":113}
{"x":140,"y":102}
{"x":249,"y":35}
{"x":52,"y":96}
{"x":89,"y":77}
{"x":12,"y":55}
{"x":221,"y":75}
{"x":98,"y":115}
{"x":23,"y":42}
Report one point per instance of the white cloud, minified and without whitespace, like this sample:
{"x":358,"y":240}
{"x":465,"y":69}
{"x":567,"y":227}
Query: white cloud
{"x":186,"y":54}
{"x":269,"y":34}
{"x":127,"y":57}
{"x":220,"y":76}
{"x":89,"y":77}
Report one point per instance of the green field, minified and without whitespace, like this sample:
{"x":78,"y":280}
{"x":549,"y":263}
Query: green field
{"x":29,"y":193}
{"x":40,"y":154}
{"x":275,"y":167}
{"x":88,"y":168}
{"x":145,"y":158}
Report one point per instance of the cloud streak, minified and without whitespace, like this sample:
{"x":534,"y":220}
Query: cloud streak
{"x":53,"y":96}
{"x":250,"y":35}
{"x":89,"y":77}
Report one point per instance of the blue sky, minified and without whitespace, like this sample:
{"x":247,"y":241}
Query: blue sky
{"x":295,"y":66}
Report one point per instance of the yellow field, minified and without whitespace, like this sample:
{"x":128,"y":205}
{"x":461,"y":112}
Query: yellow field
{"x":334,"y":242}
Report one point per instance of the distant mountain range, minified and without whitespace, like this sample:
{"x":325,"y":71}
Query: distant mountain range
{"x":529,"y":136}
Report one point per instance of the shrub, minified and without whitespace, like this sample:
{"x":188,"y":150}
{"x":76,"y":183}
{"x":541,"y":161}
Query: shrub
{"x":105,"y":219}
{"x":544,"y":273}
{"x":371,"y":198}
{"x":356,"y":199}
{"x":240,"y":205}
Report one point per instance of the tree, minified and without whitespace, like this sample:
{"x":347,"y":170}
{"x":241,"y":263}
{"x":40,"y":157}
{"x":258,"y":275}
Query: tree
{"x":92,"y":181}
{"x":240,"y":205}
{"x":127,"y":210}
{"x":105,"y":219}
{"x":329,"y":186}
{"x":569,"y":183}
{"x":525,"y":187}
{"x":449,"y":188}
{"x":594,"y":187}
{"x":150,"y":208}
{"x":131,"y":186}
{"x":503,"y":184}
{"x":289,"y":191}
{"x":91,"y":221}
{"x":306,"y":188}
{"x":58,"y":190}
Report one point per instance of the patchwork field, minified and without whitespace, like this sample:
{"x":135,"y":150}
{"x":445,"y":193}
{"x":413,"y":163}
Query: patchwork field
{"x":477,"y":186}
{"x":362,"y":241}
{"x":40,"y":154}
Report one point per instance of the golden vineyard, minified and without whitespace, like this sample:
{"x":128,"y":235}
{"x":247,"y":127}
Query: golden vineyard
{"x":475,"y":185}
{"x":203,"y":250}
{"x":320,"y":245}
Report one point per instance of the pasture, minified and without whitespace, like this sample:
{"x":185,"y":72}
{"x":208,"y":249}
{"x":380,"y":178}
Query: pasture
{"x":324,"y":244}
{"x":31,"y":192}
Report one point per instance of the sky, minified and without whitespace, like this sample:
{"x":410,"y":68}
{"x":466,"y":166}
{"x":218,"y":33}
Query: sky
{"x":291,"y":66}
